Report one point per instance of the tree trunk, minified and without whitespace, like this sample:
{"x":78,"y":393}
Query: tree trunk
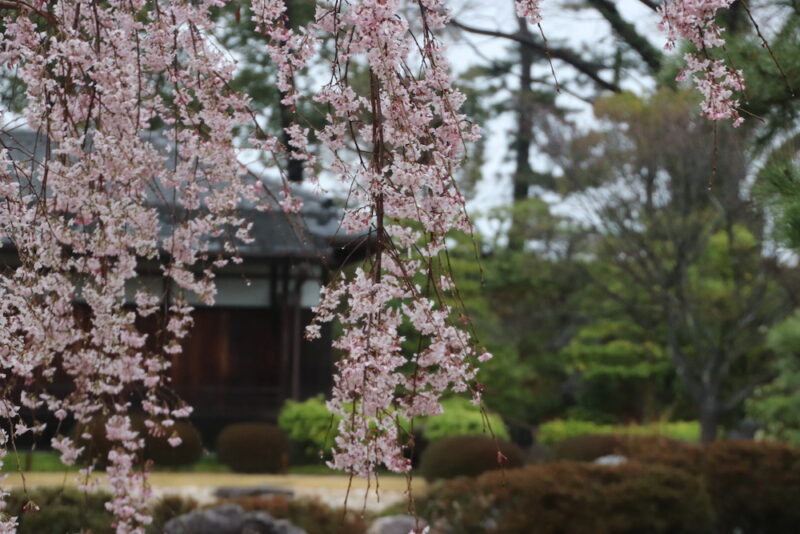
{"x":709,"y":421}
{"x":294,"y":167}
{"x":522,"y":172}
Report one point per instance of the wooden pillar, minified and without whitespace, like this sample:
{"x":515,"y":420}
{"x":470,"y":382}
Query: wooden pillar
{"x":285,"y":319}
{"x":297,"y":337}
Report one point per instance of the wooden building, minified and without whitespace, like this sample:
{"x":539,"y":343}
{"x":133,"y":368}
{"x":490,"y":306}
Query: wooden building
{"x":246,"y":354}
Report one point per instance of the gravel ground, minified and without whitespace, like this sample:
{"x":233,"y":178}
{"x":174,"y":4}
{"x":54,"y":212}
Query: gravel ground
{"x":330,"y":489}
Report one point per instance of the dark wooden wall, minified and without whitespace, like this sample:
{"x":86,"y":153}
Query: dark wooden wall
{"x":234,"y":365}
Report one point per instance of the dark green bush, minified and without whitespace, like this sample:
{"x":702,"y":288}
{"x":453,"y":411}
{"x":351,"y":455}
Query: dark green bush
{"x":310,"y":515}
{"x":60,"y":510}
{"x":468,"y":456}
{"x":571,"y":498}
{"x":754,"y":487}
{"x":588,"y":447}
{"x":163,"y":454}
{"x":253,"y":448}
{"x":66,"y":510}
{"x":156,"y":449}
{"x":664,"y":451}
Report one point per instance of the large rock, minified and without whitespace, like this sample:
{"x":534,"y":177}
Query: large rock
{"x":395,"y":524}
{"x":229,"y":519}
{"x":225,"y":519}
{"x":263,"y":523}
{"x":238,"y":492}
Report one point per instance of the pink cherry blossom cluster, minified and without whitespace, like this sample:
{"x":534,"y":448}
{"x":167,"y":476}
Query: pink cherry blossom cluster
{"x":291,"y":51}
{"x":400,"y":142}
{"x":718,"y":82}
{"x":530,"y":10}
{"x":134,"y":115}
{"x":87,"y":210}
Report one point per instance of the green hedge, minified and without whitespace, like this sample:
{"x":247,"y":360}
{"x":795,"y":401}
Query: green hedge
{"x":61,"y":510}
{"x":754,"y":487}
{"x":310,"y":427}
{"x":188,"y":452}
{"x":253,"y":448}
{"x":462,"y":418}
{"x":572,"y":498}
{"x":468,"y":456}
{"x":560,"y":429}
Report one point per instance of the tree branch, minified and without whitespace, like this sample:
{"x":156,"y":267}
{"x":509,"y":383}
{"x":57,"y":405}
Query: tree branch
{"x":627,"y":32}
{"x":567,"y":56}
{"x":651,"y":4}
{"x":747,"y":390}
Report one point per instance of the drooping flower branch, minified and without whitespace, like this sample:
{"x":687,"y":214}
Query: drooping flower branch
{"x":131,"y":107}
{"x":400,"y":142}
{"x":717,"y":82}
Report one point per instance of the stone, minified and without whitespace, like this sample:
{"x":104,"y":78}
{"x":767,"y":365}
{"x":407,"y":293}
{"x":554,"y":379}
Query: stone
{"x":225,"y":519}
{"x":745,"y":430}
{"x":263,"y":523}
{"x":229,"y":519}
{"x":612,"y":460}
{"x":238,"y":492}
{"x":395,"y":524}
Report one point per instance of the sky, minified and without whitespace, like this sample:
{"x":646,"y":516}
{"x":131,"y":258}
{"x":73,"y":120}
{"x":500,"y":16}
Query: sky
{"x":579,"y":29}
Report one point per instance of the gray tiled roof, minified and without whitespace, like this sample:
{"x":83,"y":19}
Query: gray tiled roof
{"x":313,"y":233}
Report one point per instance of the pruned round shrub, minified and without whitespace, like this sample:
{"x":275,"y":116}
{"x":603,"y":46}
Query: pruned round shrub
{"x":162,"y":453}
{"x":754,"y":487}
{"x":157,"y":448}
{"x":587,"y":448}
{"x":572,"y":498}
{"x":468,"y":456}
{"x":664,"y":451}
{"x":253,"y":448}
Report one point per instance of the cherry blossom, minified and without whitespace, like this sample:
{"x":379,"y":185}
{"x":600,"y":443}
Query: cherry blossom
{"x":694,"y":20}
{"x":410,"y":138}
{"x":85,"y":213}
{"x":530,"y":10}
